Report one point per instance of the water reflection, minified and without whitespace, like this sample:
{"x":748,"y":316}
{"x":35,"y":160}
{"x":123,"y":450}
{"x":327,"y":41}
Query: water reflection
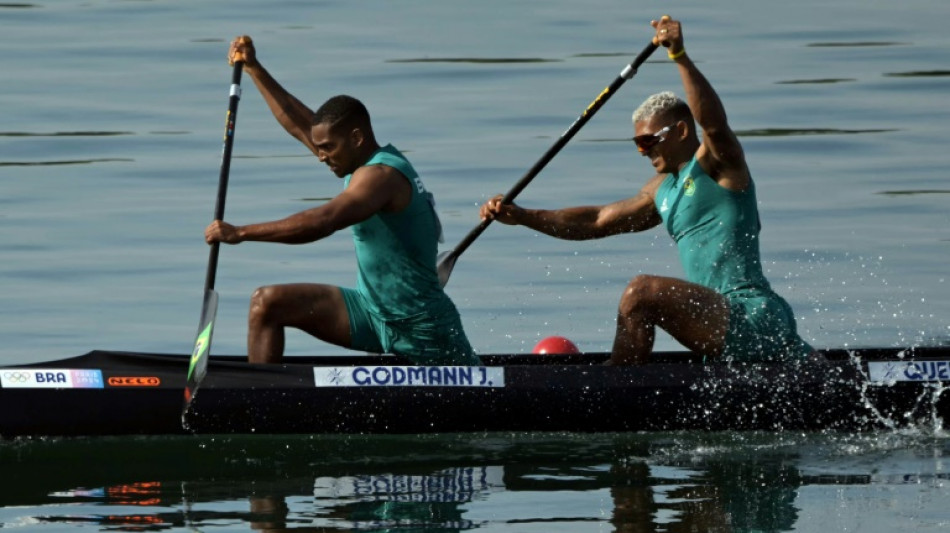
{"x":629,"y":482}
{"x":641,"y":498}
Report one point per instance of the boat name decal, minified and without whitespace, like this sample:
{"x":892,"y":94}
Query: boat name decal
{"x":134,"y":381}
{"x":50,"y":378}
{"x":409,"y":376}
{"x":889,"y":371}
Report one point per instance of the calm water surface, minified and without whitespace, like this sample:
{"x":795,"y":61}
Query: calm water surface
{"x":109,"y":153}
{"x":494,"y":482}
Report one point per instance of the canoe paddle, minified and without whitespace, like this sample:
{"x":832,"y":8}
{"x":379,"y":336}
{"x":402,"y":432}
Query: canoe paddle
{"x":198,"y":366}
{"x":447,"y":259}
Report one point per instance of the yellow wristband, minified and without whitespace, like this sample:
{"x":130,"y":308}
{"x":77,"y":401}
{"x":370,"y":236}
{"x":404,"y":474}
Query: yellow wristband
{"x":677,"y":55}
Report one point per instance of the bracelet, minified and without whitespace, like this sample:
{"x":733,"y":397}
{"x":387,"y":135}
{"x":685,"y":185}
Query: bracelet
{"x":677,"y":55}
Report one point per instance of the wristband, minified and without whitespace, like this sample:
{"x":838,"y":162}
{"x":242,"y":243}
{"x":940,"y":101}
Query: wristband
{"x":677,"y":55}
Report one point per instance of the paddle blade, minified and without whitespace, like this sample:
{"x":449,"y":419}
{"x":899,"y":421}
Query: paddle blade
{"x":198,"y":366}
{"x":445,"y":265}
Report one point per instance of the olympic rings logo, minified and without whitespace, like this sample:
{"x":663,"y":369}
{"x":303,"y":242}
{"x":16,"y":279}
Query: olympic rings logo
{"x":17,"y":377}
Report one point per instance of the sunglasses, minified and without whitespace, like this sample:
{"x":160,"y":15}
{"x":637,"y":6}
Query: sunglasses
{"x":646,"y":142}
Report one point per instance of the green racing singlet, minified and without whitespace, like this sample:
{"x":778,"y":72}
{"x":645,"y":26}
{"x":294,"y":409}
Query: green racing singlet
{"x":396,"y":252}
{"x":716,"y":231}
{"x":401,"y":306}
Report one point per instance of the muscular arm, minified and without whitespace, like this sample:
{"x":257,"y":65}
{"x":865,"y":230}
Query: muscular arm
{"x":289,"y":111}
{"x":582,"y":223}
{"x":372,"y":189}
{"x":720,"y":153}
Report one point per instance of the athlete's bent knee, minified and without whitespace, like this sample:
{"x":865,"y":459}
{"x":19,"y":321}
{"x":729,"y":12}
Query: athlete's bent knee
{"x":639,"y":295}
{"x":262,"y":301}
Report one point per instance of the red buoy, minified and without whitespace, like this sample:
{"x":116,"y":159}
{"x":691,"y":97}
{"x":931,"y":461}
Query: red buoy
{"x":555,"y":344}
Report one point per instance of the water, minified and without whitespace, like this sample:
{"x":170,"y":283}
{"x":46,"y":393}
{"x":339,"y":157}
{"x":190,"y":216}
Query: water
{"x":495,"y":482}
{"x":109,"y":153}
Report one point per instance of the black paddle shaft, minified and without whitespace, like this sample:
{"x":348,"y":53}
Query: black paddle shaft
{"x":628,"y":72}
{"x":225,"y":167}
{"x":199,"y":357}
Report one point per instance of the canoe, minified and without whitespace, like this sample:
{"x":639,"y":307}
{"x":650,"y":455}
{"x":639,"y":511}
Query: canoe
{"x":126,"y":393}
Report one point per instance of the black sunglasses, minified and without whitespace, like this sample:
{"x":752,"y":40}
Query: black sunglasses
{"x":646,"y":142}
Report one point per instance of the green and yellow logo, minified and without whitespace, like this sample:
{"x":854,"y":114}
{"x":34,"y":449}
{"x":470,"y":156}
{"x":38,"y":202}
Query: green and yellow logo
{"x":689,"y":187}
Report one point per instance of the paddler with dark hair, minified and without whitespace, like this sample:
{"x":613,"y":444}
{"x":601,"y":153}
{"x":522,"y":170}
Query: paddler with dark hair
{"x":703,"y":194}
{"x":398,"y":305}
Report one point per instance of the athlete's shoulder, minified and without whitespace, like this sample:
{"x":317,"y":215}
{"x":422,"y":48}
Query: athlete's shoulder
{"x":653,"y":184}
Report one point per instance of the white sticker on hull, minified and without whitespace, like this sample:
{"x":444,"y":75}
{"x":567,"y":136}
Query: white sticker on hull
{"x":890,"y":371}
{"x":50,"y":378}
{"x":409,"y":376}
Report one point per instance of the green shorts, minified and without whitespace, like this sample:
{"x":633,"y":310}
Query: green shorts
{"x":762,"y":328}
{"x":432,"y":338}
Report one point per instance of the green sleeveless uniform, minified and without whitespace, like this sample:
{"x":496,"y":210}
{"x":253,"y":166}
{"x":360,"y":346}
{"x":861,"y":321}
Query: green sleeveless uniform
{"x":717,"y":234}
{"x":398,"y":305}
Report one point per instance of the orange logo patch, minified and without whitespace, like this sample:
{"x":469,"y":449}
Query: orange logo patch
{"x":136,"y":381}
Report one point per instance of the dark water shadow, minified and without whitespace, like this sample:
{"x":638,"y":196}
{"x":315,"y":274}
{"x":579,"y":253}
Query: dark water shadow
{"x":65,"y":162}
{"x":919,"y":74}
{"x":914,"y":192}
{"x":789,"y":132}
{"x":89,"y":133}
{"x":77,"y":134}
{"x":854,"y":44}
{"x":65,"y":134}
{"x":477,"y":60}
{"x":819,"y":81}
{"x":18,"y":6}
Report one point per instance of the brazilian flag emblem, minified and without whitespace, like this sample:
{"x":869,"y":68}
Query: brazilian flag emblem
{"x":689,"y":187}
